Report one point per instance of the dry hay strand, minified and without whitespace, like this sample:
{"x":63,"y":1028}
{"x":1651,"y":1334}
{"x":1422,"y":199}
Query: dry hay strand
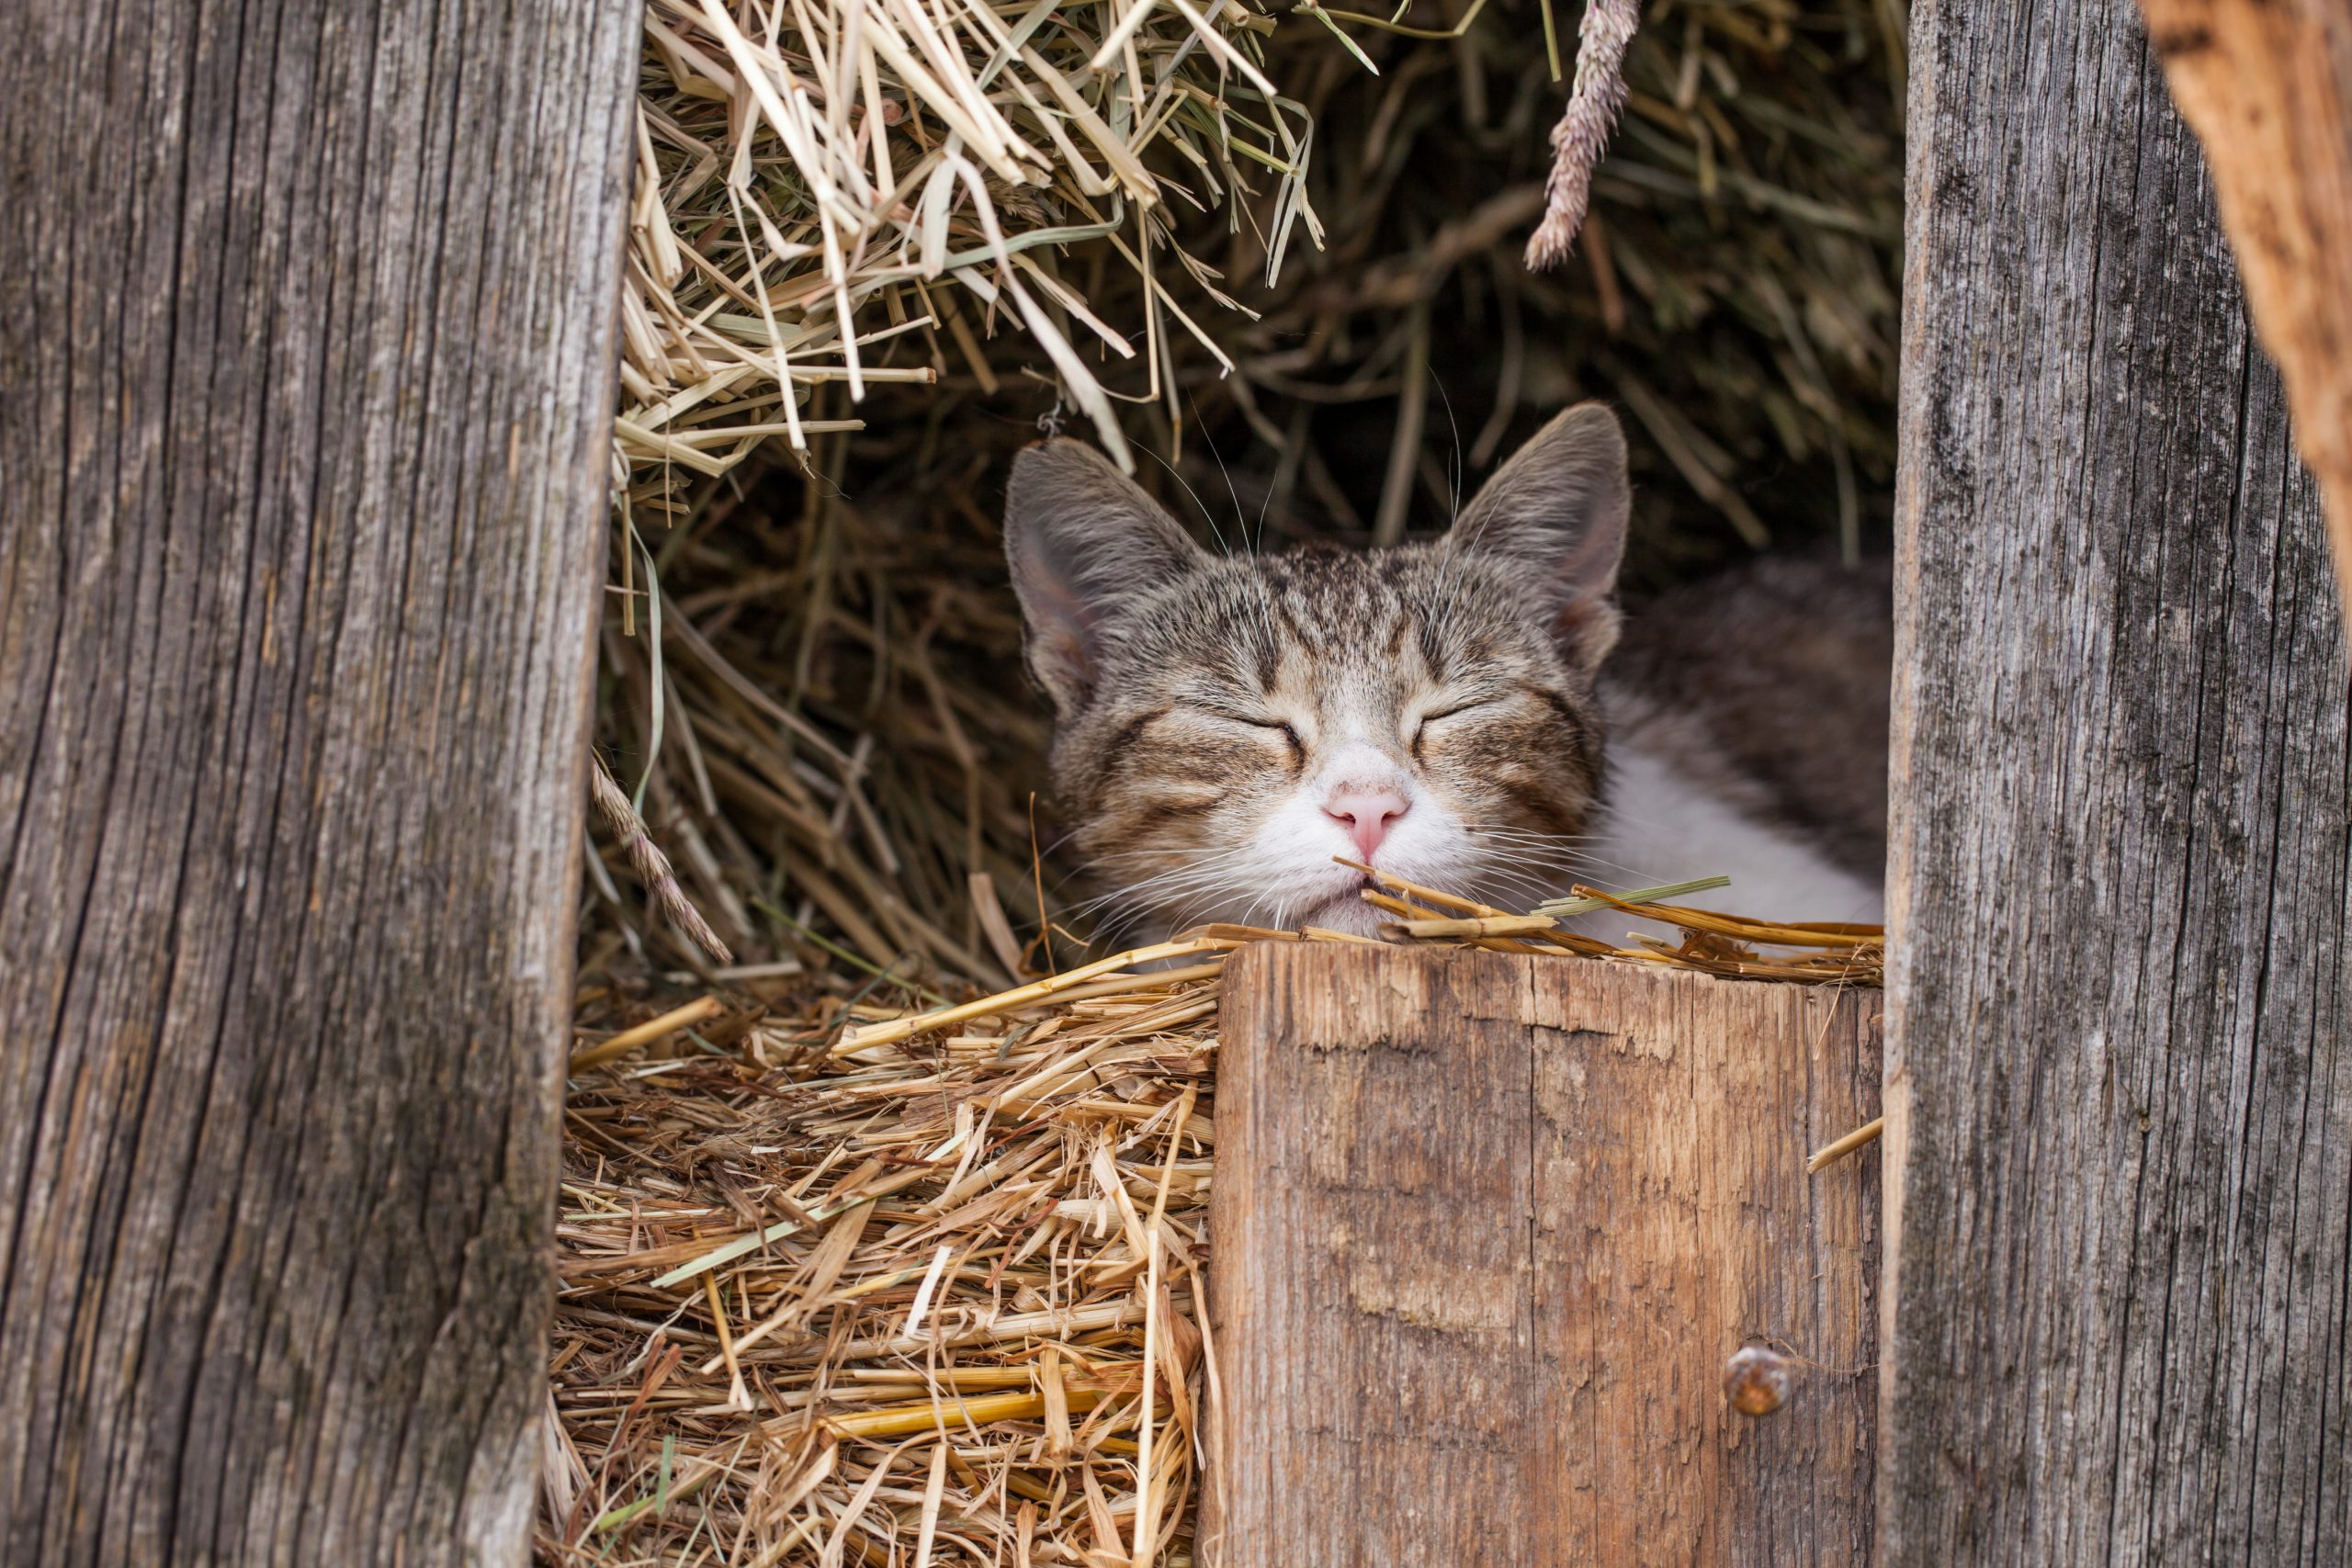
{"x":844,"y":1283}
{"x":1582,"y":135}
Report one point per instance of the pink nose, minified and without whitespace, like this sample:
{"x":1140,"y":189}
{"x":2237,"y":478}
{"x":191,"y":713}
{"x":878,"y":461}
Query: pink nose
{"x":1367,"y":813}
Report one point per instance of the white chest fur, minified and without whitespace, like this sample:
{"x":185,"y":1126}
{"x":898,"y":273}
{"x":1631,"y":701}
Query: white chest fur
{"x":1660,"y":828}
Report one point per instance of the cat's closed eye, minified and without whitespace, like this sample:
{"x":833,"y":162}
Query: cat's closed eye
{"x":1452,"y":710}
{"x":1280,"y":729}
{"x":1248,"y":718}
{"x":1470,"y":709}
{"x":1272,"y":731}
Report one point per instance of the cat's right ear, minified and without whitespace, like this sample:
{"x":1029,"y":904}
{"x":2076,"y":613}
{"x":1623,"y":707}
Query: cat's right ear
{"x":1556,"y":513}
{"x":1084,"y":543}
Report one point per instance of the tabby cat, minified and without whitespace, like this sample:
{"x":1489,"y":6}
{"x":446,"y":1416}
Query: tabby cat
{"x":1469,"y":712}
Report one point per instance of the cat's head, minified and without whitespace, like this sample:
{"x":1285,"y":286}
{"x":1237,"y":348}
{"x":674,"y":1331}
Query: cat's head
{"x":1230,"y":723}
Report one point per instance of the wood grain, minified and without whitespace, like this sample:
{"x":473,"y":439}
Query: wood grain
{"x":2120,"y":1013}
{"x":2268,"y":86}
{"x":1485,"y":1230}
{"x":307,"y":310}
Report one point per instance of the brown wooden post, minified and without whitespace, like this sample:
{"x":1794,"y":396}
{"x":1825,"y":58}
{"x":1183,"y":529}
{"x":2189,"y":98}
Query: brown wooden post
{"x":1485,"y":1231}
{"x":307,"y":316}
{"x":2119,"y":1005}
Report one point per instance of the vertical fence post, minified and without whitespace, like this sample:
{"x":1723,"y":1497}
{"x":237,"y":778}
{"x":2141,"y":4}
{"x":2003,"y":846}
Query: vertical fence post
{"x":307,"y":312}
{"x":2119,"y":1009}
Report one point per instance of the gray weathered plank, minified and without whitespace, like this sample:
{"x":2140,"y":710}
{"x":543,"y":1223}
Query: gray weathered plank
{"x":2119,"y":1049}
{"x":1486,"y":1228}
{"x":2267,"y":86}
{"x":307,"y":316}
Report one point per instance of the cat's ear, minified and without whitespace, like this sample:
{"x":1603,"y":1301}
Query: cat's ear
{"x":1556,"y":512}
{"x":1084,"y":543}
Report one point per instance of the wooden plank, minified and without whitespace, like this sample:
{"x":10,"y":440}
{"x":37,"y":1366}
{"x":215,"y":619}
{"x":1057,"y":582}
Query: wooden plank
{"x":2120,"y":1012}
{"x":1485,"y":1230}
{"x":308,"y":312}
{"x":2267,"y":86}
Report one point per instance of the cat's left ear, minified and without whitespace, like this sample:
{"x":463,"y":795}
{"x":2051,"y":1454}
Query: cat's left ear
{"x":1557,"y":511}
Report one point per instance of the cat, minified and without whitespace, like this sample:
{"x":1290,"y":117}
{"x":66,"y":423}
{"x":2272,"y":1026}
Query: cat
{"x":1471,"y":712}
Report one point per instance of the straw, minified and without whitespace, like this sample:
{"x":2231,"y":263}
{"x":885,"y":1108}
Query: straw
{"x":1859,"y":1138}
{"x":646,"y":1034}
{"x":935,"y":1288}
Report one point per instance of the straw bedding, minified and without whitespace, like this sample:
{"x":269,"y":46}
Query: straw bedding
{"x":839,"y":1288}
{"x":848,"y":1282}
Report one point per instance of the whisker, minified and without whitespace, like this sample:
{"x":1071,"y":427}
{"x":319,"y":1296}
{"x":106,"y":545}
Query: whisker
{"x":1209,"y":516}
{"x":1241,"y":517}
{"x":1456,"y":474}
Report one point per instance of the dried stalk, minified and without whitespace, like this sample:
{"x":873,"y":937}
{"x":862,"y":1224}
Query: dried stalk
{"x":651,"y":866}
{"x":1594,"y":100}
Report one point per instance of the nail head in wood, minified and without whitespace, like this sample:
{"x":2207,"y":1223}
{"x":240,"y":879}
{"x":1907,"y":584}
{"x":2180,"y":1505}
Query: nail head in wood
{"x":1756,"y":1380}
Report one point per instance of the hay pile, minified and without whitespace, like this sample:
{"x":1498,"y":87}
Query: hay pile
{"x":1734,"y":295}
{"x":844,"y":1283}
{"x":1319,"y":314}
{"x":937,"y":1304}
{"x":801,"y":1239}
{"x":823,"y":186}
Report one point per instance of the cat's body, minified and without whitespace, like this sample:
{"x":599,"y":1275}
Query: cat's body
{"x":1229,"y":725}
{"x":1747,"y":720}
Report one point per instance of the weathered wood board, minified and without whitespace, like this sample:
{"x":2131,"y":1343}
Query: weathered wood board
{"x":2119,"y":1068}
{"x":308,"y":328}
{"x":2267,"y":84}
{"x":1486,"y":1229}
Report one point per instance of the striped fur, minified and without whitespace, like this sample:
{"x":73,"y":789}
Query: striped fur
{"x":1212,"y":707}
